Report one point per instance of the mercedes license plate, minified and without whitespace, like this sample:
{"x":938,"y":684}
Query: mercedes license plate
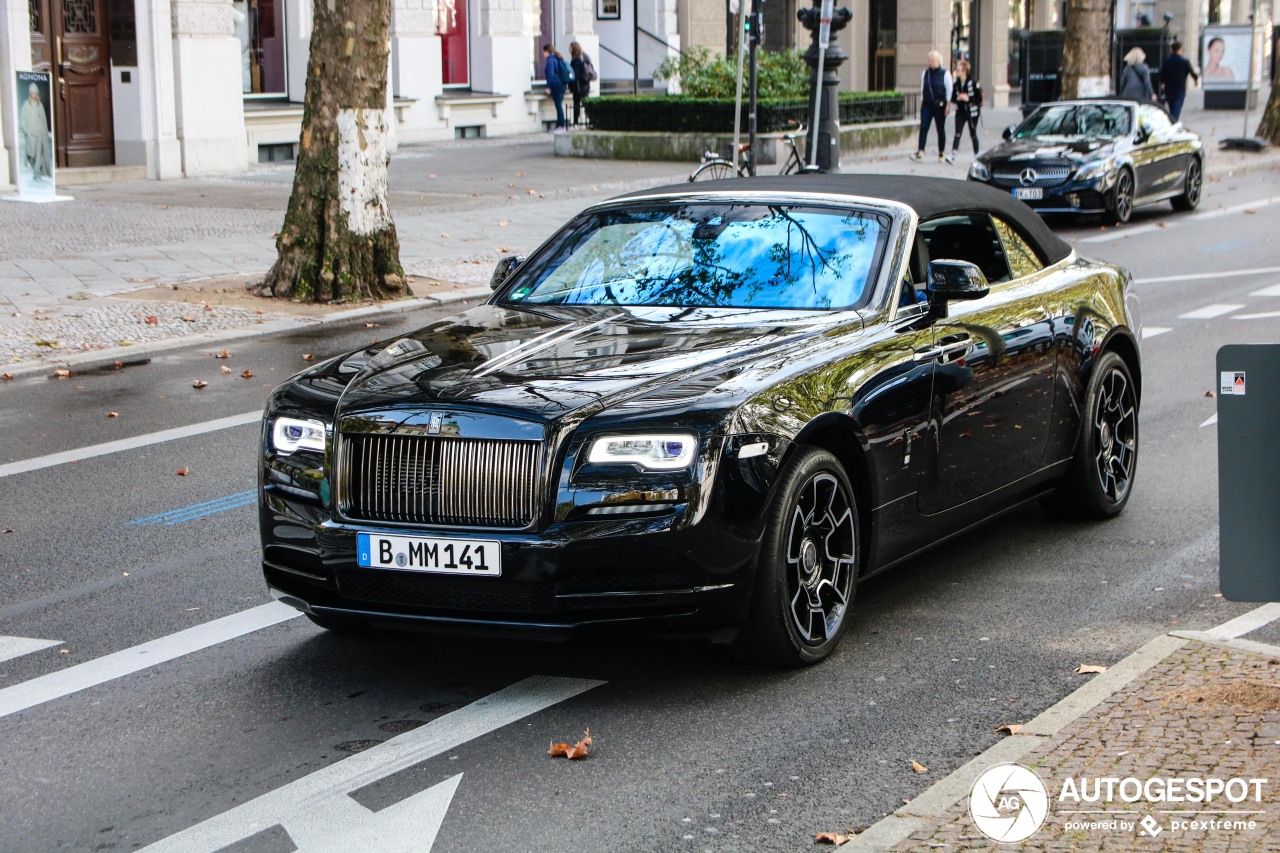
{"x":420,"y":554}
{"x":1028,"y":193}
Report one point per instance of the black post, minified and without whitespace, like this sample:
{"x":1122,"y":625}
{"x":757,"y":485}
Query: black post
{"x":757,"y":18}
{"x":635,"y":47}
{"x":828,"y":106}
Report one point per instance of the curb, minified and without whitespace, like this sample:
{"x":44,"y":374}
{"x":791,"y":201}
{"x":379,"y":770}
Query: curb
{"x":93,"y":359}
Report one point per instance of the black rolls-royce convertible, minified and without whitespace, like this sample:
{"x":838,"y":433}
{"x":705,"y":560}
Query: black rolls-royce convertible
{"x":708,"y":408}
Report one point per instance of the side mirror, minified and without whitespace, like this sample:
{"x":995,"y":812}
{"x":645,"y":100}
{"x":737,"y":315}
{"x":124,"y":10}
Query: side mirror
{"x":1008,"y":132}
{"x":955,"y":280}
{"x":504,"y":269}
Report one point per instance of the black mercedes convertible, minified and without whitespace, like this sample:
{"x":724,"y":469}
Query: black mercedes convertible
{"x":708,"y":408}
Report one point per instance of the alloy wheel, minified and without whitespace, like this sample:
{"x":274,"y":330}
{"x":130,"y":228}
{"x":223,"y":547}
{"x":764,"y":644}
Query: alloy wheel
{"x":821,"y":541}
{"x":1115,"y":428}
{"x":1124,"y":197}
{"x":1195,"y":181}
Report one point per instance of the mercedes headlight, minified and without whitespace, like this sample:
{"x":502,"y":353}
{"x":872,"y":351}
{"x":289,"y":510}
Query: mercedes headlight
{"x":1092,"y":170}
{"x":290,"y":434}
{"x":979,"y":171}
{"x":659,"y":452}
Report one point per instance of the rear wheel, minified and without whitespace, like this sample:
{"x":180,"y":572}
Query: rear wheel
{"x":714,"y":170}
{"x":1100,"y":479}
{"x":807,"y":569}
{"x":1191,"y":188}
{"x":1122,"y":198}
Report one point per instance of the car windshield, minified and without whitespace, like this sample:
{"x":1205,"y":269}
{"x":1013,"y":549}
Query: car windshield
{"x":709,"y":255}
{"x":1108,"y":120}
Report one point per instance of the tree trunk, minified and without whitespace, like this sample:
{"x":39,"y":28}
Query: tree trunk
{"x":1269,"y":127}
{"x":1086,"y":67}
{"x":338,"y":241}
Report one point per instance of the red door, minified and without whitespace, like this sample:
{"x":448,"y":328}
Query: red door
{"x":70,"y":38}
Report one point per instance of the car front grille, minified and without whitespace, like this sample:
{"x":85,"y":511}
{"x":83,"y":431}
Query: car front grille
{"x":456,"y":482}
{"x":1046,"y":176}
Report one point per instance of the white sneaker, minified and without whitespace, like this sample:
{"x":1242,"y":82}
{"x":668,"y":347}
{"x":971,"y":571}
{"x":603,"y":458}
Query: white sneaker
{"x":951,"y":158}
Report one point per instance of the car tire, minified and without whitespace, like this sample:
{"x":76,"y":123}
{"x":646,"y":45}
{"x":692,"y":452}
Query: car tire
{"x":1192,"y":186}
{"x":807,"y":569}
{"x":1120,"y":209}
{"x":337,"y":624}
{"x":1100,"y":480}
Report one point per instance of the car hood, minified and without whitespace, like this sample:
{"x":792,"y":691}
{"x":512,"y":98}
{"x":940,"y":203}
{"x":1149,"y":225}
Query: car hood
{"x":545,"y":363}
{"x":1073,"y":149}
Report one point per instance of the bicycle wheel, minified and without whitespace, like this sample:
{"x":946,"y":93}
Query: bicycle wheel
{"x":713,"y":170}
{"x":793,"y":164}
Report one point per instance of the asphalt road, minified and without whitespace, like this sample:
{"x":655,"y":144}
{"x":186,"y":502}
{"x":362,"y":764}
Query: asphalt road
{"x":242,"y":730}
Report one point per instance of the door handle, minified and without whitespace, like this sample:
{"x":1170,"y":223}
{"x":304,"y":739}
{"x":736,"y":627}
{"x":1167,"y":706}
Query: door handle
{"x":954,"y":346}
{"x":926,"y":354}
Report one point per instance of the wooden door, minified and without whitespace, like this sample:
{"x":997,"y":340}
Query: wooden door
{"x":70,"y":38}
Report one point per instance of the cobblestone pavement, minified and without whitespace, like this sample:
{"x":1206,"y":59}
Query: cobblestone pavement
{"x":1206,"y":711}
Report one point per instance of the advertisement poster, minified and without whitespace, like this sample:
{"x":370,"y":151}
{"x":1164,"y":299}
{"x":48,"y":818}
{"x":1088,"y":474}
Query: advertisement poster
{"x":1225,"y":57}
{"x":35,"y":137}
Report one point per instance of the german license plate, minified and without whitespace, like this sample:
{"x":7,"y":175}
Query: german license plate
{"x":421,"y":554}
{"x":1028,"y":193}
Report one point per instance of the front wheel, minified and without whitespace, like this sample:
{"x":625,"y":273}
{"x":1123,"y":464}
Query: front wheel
{"x":1100,"y":479}
{"x":713,"y":170}
{"x":1191,"y":188}
{"x":807,"y":568}
{"x":1122,"y":198}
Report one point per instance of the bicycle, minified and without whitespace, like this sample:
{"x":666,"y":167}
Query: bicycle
{"x":714,"y":167}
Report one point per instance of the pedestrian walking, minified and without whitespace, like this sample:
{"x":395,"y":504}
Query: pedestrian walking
{"x":584,"y":72}
{"x":935,"y":104}
{"x":966,"y":94}
{"x":1174,"y":72}
{"x":1135,"y":80}
{"x":558,"y":75}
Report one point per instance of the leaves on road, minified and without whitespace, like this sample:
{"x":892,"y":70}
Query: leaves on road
{"x":6,"y":377}
{"x":918,"y":767}
{"x":224,"y":368}
{"x":306,"y":356}
{"x":578,"y":750}
{"x":222,"y":353}
{"x":182,"y":472}
{"x":62,"y":374}
{"x":198,"y":384}
{"x":153,"y":320}
{"x":1010,"y":728}
{"x":1086,"y":668}
{"x":113,"y":414}
{"x":830,"y":838}
{"x":1209,"y":393}
{"x":248,"y":374}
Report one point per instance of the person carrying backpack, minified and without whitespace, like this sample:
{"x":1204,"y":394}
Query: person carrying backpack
{"x":966,"y":94}
{"x":584,"y":72}
{"x":558,"y":75}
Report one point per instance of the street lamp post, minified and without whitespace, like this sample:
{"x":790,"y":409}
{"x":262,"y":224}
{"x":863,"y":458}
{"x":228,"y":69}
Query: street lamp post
{"x":824,"y":58}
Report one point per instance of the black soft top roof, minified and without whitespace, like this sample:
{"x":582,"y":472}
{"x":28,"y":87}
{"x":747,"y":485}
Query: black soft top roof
{"x":928,"y":197}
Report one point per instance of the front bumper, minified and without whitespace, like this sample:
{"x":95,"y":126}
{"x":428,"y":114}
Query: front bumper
{"x":1084,"y":197}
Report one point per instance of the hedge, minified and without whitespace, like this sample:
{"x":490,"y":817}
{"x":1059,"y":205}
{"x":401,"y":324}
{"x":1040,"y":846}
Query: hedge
{"x":681,"y":114}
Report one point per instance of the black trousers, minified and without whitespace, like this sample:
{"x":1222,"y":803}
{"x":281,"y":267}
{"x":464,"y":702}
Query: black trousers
{"x":966,"y":117}
{"x":578,"y":99}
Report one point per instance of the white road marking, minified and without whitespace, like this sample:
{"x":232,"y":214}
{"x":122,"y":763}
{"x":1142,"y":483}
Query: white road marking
{"x":25,"y":465}
{"x":1273,"y":290}
{"x":1198,"y":276}
{"x":1199,"y":216}
{"x":1208,"y":312}
{"x":55,"y":685}
{"x":318,"y":813}
{"x":1152,"y":331}
{"x":16,"y":647}
{"x":1213,"y":419}
{"x":1264,"y":315}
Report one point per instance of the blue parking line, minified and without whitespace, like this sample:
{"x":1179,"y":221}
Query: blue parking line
{"x":200,"y":510}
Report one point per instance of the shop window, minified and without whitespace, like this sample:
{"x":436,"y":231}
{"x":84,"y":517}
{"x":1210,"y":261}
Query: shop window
{"x":451,"y":26}
{"x":260,"y":28}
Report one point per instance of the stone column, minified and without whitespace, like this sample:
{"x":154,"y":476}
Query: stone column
{"x":155,"y":133}
{"x":857,"y":43}
{"x":993,"y":50}
{"x":580,"y":26}
{"x":1044,"y":15}
{"x":658,"y":17}
{"x":207,"y":81}
{"x":502,"y":35}
{"x":922,"y":27}
{"x":15,"y":55}
{"x":416,"y":66}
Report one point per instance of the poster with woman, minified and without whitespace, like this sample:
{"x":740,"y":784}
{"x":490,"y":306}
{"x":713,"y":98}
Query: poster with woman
{"x":35,"y":137}
{"x":1225,"y":52}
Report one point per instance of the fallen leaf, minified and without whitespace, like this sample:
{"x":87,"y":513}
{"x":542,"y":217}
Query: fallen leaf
{"x":1250,"y":211}
{"x":62,"y":374}
{"x":50,"y":344}
{"x":259,"y":311}
{"x":502,"y":223}
{"x":224,"y":368}
{"x":113,"y":414}
{"x":6,"y":377}
{"x":578,"y":750}
{"x":199,"y":383}
{"x":222,"y":353}
{"x":118,"y":364}
{"x":1209,"y":393}
{"x":443,"y":234}
{"x":248,"y":374}
{"x":830,"y":838}
{"x":520,"y":174}
{"x":182,"y":472}
{"x":64,"y":651}
{"x":1010,"y":728}
{"x":1086,"y":668}
{"x":142,"y":278}
{"x":918,"y":767}
{"x":306,"y":356}
{"x":153,"y":320}
{"x":187,"y":318}
{"x":371,"y":325}
{"x":207,"y":306}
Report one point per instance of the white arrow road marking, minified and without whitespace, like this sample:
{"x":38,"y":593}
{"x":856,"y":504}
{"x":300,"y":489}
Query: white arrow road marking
{"x":317,"y":810}
{"x":137,"y":441}
{"x":55,"y":685}
{"x":1273,"y":290}
{"x":16,"y":647}
{"x":1213,"y":419}
{"x":1152,"y":331}
{"x":1208,"y":312}
{"x":1136,"y":230}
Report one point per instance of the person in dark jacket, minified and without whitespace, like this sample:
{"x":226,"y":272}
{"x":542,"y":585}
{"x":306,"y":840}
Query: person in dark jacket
{"x":581,"y":85}
{"x":555,"y":85}
{"x":1173,"y":79}
{"x":935,"y":104}
{"x":966,"y":94}
{"x":1135,"y":80}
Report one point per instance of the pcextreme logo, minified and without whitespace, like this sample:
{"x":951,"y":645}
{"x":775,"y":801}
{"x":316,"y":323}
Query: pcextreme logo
{"x":1008,"y":803}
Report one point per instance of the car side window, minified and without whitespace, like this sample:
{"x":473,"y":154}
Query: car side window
{"x":967,"y":237}
{"x":1153,"y":119}
{"x":1022,"y":258}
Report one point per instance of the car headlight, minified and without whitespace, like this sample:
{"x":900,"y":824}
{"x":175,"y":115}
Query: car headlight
{"x":664,"y":452}
{"x":979,"y":171}
{"x":290,"y":434}
{"x":1092,"y":170}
